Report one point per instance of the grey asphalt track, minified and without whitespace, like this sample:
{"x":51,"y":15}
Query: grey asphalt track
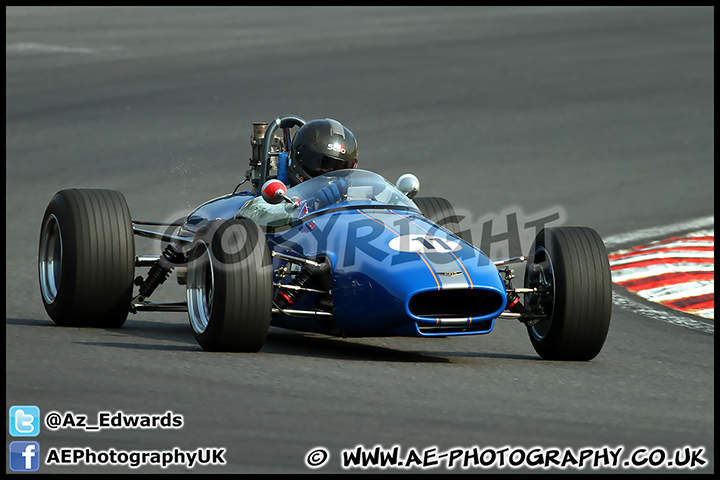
{"x":602,"y":114}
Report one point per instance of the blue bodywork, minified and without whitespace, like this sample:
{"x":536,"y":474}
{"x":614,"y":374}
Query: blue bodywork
{"x":393,"y":271}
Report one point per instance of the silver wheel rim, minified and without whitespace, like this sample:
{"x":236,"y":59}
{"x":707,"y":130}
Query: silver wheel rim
{"x":50,"y":259}
{"x":200,"y":283}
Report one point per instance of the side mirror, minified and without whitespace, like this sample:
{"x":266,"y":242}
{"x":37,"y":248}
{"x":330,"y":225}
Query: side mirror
{"x":273,"y":191}
{"x":408,"y":184}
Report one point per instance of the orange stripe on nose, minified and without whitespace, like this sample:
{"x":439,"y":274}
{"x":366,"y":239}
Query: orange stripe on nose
{"x":457,"y":260}
{"x":422,"y":257}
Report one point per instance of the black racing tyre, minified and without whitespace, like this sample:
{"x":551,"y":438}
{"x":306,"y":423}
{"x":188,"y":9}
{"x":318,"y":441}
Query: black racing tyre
{"x":86,"y":259}
{"x":441,"y":211}
{"x":229,"y":286}
{"x":570,"y":267}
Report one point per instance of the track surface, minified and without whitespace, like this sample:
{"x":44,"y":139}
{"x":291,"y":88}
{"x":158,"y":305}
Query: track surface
{"x":603,"y":114}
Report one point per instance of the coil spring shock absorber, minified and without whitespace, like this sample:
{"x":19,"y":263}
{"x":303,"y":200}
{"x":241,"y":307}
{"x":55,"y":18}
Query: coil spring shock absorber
{"x":513,"y":300}
{"x":160,"y":271}
{"x":287,"y":297}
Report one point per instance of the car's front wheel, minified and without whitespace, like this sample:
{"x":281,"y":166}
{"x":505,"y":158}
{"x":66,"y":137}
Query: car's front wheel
{"x":86,"y":259}
{"x":570,"y":271}
{"x":229,"y":286}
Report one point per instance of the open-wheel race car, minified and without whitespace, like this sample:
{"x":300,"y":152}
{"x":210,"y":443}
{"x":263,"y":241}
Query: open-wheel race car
{"x":373,"y":259}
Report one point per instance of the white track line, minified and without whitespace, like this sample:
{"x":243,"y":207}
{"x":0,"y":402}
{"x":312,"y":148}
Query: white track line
{"x":648,"y":233}
{"x":41,"y":47}
{"x":641,"y":257}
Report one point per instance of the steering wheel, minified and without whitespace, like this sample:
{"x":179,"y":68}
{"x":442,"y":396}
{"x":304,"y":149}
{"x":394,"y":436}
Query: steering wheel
{"x":283,"y":121}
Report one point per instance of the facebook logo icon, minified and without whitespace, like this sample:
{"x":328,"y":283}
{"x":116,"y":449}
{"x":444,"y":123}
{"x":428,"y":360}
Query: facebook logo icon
{"x":24,"y":456}
{"x":24,"y":421}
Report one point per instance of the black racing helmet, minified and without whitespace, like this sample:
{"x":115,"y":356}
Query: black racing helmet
{"x":321,"y":146}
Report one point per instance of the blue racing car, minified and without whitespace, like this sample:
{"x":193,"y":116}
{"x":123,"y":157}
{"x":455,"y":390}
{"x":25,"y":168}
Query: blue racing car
{"x":343,"y":253}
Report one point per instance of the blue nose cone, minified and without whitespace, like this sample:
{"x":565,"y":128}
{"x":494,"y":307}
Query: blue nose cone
{"x":397,"y":273}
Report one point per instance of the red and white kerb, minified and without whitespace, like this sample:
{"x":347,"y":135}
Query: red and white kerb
{"x":678,"y":272}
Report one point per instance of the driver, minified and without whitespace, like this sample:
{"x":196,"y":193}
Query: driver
{"x":319,"y":146}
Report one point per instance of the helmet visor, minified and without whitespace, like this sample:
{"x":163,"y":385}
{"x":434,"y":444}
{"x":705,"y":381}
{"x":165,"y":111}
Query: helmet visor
{"x":318,"y":164}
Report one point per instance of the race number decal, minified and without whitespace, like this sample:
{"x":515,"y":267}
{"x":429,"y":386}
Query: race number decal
{"x":423,"y":244}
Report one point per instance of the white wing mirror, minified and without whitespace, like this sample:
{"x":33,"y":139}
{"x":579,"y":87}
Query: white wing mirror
{"x":408,"y":184}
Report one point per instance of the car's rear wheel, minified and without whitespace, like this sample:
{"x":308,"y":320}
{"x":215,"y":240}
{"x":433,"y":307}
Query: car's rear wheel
{"x":440,"y":211}
{"x":86,"y":258}
{"x":570,"y":271}
{"x":229,"y":286}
